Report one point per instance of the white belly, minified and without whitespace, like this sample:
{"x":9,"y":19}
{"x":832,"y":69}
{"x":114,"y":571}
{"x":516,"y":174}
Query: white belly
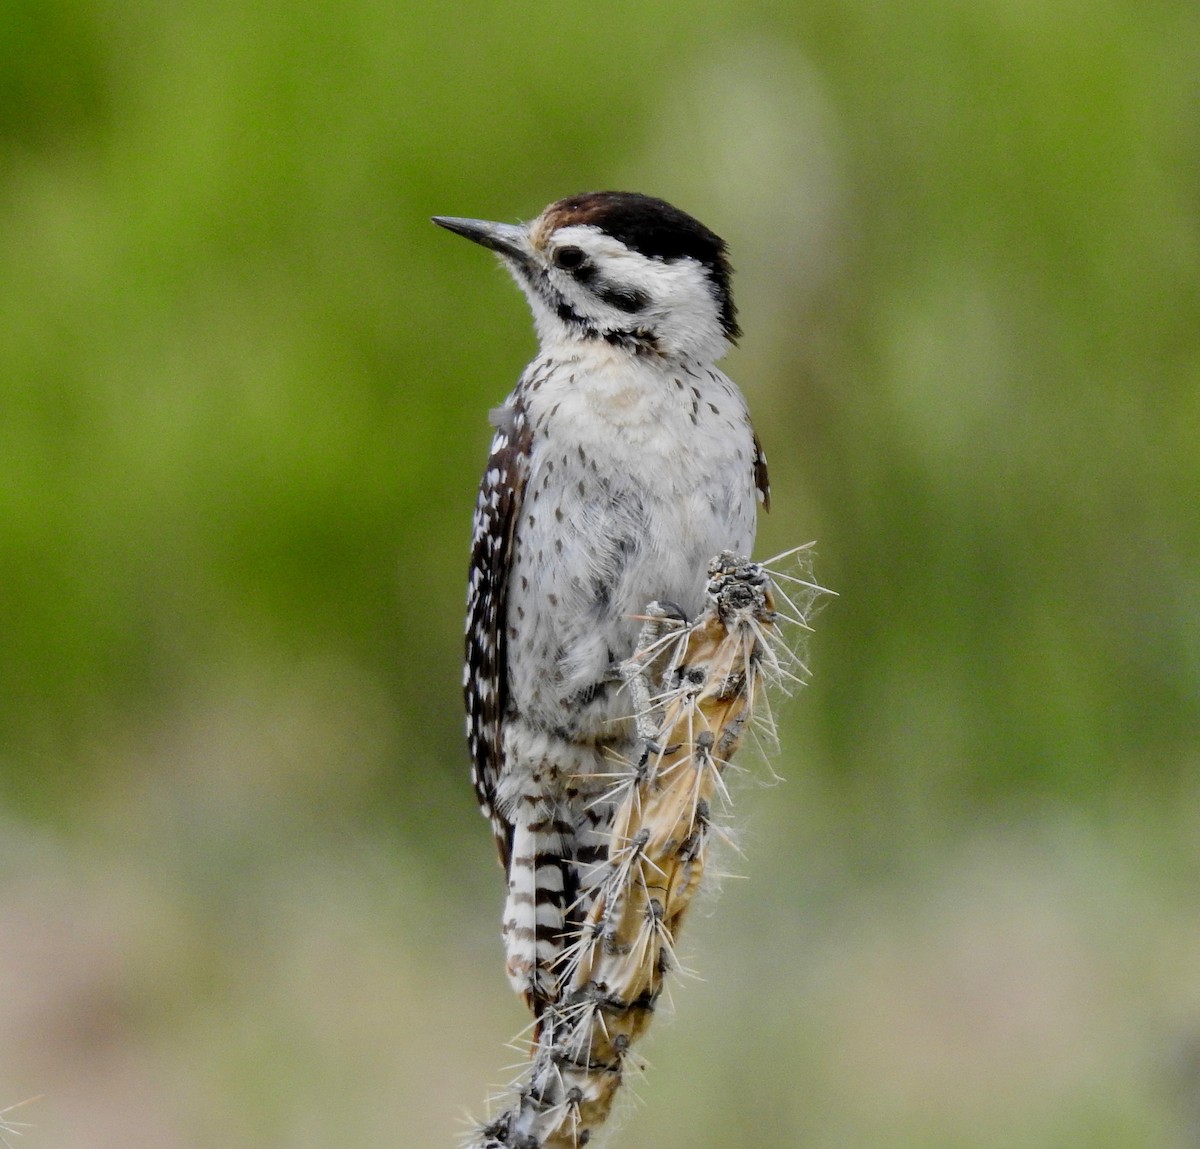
{"x":636,"y":480}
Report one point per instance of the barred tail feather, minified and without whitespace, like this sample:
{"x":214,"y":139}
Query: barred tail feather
{"x":534,"y":908}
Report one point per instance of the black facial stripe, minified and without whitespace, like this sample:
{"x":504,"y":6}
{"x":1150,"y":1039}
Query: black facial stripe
{"x":627,"y":299}
{"x":568,"y":314}
{"x":658,"y":230}
{"x":638,"y":339}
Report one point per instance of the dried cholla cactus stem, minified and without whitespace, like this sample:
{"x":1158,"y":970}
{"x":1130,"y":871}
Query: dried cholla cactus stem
{"x":696,"y":687}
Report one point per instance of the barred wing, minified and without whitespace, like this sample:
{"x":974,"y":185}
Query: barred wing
{"x":485,"y":674}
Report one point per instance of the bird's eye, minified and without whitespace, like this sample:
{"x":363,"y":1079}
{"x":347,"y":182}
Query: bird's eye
{"x":568,"y":258}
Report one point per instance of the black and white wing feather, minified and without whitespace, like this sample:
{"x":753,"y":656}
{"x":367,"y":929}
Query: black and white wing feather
{"x":484,"y":676}
{"x":761,"y":479}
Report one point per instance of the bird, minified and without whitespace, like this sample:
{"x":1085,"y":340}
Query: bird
{"x":621,"y":463}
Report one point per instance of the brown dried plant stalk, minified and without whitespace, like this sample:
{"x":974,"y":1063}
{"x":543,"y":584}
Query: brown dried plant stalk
{"x":696,"y":687}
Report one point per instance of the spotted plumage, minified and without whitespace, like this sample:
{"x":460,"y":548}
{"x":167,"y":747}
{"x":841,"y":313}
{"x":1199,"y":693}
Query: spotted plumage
{"x":485,"y":685}
{"x":621,"y":463}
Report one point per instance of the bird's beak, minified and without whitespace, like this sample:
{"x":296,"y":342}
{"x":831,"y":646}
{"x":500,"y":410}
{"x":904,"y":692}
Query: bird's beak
{"x":505,"y":238}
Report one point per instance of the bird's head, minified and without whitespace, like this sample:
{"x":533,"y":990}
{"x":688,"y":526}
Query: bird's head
{"x":618,"y":267}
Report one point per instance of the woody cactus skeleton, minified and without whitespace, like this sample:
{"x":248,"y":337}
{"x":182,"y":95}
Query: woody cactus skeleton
{"x":695,"y":688}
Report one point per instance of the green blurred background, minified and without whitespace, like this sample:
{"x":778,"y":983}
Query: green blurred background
{"x":245,"y":896}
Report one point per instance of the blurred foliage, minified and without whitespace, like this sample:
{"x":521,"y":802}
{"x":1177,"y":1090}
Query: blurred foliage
{"x":242,"y":395}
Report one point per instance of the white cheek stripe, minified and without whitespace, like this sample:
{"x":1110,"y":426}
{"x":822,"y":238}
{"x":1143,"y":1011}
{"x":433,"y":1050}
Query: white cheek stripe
{"x":682,"y":311}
